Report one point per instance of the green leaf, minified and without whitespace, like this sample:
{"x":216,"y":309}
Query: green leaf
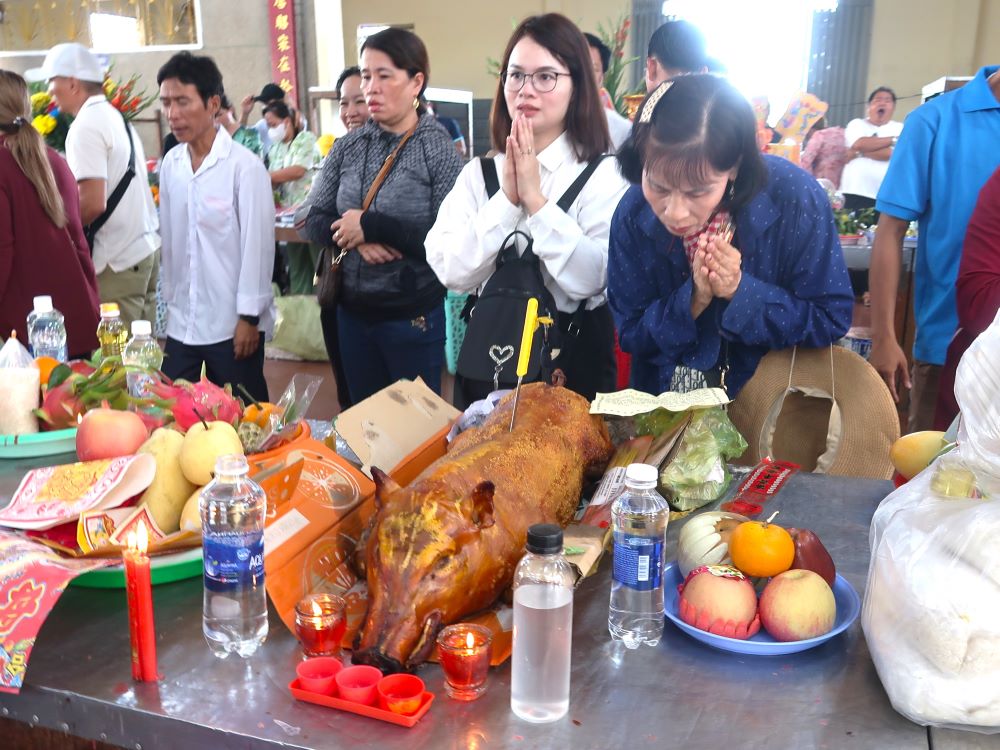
{"x":59,"y":374}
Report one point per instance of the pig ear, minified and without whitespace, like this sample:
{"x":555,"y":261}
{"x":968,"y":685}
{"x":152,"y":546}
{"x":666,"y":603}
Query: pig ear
{"x":384,"y":486}
{"x":482,"y":505}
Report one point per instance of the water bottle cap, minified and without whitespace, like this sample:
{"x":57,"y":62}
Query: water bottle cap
{"x":142,"y":328}
{"x":641,"y":474}
{"x":43,"y":303}
{"x":545,"y":538}
{"x":231,"y":464}
{"x":110,"y":310}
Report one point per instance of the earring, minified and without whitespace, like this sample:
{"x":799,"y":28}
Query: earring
{"x":732,"y":190}
{"x":416,"y":103}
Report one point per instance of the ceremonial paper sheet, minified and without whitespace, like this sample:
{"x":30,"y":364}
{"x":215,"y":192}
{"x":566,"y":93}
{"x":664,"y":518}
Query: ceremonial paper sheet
{"x":630,"y":402}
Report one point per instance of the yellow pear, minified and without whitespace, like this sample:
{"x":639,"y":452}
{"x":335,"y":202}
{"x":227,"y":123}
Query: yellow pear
{"x":170,"y":488}
{"x":203,"y":445}
{"x":191,"y":515}
{"x":912,"y":453}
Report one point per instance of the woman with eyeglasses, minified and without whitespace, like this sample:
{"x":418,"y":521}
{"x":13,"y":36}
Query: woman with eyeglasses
{"x":718,"y":253}
{"x":547,"y":123}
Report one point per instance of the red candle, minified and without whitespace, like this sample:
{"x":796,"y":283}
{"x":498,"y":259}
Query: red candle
{"x":139,"y":591}
{"x":320,"y":622}
{"x":464,"y":650}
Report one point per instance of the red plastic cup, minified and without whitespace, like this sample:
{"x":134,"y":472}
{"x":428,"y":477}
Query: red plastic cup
{"x":318,"y":675}
{"x":402,"y":693}
{"x":359,"y":684}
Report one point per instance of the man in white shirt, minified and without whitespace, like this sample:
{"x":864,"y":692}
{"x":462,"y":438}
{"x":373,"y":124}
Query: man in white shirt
{"x":218,"y":236}
{"x":870,"y":141}
{"x":100,"y":147}
{"x":600,"y":57}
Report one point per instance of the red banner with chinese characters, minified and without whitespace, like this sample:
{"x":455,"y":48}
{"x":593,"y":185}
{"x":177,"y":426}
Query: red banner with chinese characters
{"x":281,"y":21}
{"x":31,"y":579}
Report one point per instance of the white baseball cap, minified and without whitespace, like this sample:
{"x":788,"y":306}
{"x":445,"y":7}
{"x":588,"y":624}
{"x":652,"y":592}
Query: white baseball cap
{"x":70,"y":60}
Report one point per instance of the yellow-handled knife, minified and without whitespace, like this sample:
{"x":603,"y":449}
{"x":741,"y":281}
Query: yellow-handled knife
{"x":531,"y":323}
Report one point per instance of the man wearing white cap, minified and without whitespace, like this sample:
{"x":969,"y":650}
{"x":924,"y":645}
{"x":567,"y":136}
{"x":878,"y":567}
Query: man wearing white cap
{"x":106,"y":157}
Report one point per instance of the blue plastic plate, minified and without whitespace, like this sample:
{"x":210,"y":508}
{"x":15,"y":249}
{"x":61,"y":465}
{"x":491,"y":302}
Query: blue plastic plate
{"x":848,"y":608}
{"x":38,"y":444}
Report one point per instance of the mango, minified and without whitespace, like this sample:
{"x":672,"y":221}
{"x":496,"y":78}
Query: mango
{"x":170,"y":489}
{"x":913,"y":453}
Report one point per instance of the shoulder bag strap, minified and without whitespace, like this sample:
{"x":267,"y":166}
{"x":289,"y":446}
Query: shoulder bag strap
{"x":119,"y":192}
{"x":489,"y":168}
{"x":573,"y":192}
{"x":386,"y":168}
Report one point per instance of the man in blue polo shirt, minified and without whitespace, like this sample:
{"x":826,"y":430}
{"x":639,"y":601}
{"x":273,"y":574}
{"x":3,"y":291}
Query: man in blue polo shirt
{"x":948,"y":149}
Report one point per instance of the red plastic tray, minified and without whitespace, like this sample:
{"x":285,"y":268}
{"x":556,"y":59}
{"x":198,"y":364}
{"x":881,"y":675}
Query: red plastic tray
{"x":372,"y":712}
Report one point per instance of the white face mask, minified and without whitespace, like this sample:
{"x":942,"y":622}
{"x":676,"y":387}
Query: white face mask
{"x":276,"y":135}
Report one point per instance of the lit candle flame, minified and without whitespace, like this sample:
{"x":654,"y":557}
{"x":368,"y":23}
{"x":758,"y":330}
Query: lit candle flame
{"x":130,"y":541}
{"x":470,"y":642}
{"x":143,"y":538}
{"x":316,"y":609}
{"x":79,"y":419}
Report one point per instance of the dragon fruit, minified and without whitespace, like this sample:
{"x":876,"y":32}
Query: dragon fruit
{"x":193,"y":402}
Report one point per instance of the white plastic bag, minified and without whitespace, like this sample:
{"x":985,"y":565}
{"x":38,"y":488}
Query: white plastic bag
{"x":19,"y":389}
{"x":932,"y":606}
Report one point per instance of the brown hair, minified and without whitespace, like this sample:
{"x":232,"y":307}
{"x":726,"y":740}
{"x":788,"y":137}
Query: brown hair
{"x":26,"y":145}
{"x":407,"y":52}
{"x":586,"y":123}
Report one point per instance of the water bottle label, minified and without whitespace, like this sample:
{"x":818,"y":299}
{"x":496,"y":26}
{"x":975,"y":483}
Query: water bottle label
{"x":139,"y":384}
{"x":638,"y":562}
{"x":233,"y":559}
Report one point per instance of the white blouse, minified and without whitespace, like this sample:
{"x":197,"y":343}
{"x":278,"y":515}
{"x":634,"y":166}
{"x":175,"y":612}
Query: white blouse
{"x":463,"y":244}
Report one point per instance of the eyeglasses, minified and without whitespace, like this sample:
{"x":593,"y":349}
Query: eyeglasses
{"x":543,"y":81}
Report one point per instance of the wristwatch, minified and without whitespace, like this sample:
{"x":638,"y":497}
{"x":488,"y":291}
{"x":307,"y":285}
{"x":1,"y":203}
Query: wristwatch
{"x":251,"y":319}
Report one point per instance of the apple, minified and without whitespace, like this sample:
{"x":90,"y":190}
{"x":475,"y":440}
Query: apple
{"x":109,"y":433}
{"x":912,"y":453}
{"x":721,"y":600}
{"x":203,"y":444}
{"x":170,"y":488}
{"x":797,"y":605}
{"x":810,"y":554}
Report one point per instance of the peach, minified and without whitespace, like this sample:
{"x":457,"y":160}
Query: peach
{"x":797,"y":605}
{"x":720,"y":600}
{"x":109,"y":433}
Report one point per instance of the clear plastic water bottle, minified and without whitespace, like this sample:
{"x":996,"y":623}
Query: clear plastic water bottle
{"x":543,"y":628}
{"x":639,"y":521}
{"x":47,"y":330}
{"x":234,"y":617}
{"x":141,"y":351}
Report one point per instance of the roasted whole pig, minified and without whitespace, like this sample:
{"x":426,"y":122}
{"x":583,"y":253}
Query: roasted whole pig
{"x":447,"y":545}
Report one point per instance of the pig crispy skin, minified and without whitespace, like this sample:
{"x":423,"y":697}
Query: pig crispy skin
{"x":447,"y":545}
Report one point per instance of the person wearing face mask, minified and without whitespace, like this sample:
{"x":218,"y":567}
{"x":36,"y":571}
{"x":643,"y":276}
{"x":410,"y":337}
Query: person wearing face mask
{"x":870,"y":141}
{"x":353,"y":107}
{"x":374,"y":199}
{"x":718,"y":253}
{"x":292,"y":159}
{"x":547,"y":123}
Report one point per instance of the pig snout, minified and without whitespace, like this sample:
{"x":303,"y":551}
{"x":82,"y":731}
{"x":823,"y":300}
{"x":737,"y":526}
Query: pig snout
{"x":375,"y":658}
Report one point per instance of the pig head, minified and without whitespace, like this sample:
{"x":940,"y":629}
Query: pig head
{"x":447,"y":545}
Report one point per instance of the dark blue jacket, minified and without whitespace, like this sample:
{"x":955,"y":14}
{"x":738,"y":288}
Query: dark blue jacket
{"x":795,"y":289}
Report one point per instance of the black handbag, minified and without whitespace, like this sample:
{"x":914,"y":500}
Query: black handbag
{"x":328,"y":278}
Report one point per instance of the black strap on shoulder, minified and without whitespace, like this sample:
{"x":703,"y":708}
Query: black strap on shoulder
{"x":119,"y":192}
{"x":489,"y":168}
{"x":492,"y":181}
{"x":574,"y":190}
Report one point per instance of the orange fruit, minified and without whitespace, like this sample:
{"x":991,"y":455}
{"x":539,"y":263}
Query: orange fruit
{"x":761,"y":549}
{"x":45,"y":367}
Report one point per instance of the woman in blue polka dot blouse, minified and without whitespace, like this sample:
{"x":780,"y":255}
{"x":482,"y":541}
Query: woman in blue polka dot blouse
{"x":717,"y":254}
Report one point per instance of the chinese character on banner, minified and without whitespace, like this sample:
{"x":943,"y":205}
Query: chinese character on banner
{"x":284,"y":63}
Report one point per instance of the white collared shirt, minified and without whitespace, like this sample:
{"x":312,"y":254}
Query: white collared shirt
{"x":463,"y":244}
{"x":218,"y":242}
{"x":97,"y":149}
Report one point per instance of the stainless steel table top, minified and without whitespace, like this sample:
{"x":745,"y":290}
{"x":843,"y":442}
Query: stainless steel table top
{"x":859,"y":257}
{"x":679,"y":694}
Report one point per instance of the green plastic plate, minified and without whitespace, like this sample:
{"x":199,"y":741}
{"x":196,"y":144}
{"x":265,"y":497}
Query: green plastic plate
{"x":38,"y":444}
{"x":176,"y":566}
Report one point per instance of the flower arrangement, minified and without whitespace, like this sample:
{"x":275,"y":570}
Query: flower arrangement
{"x":54,"y":124}
{"x":615,"y":35}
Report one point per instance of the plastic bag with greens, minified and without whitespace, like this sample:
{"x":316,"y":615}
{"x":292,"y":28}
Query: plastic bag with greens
{"x":698,"y":474}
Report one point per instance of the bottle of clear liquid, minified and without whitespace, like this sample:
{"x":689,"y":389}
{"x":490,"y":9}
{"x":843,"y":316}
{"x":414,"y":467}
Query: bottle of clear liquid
{"x":141,"y":351}
{"x":111,"y":331}
{"x":234,"y":616}
{"x":639,"y":521}
{"x":543,"y":628}
{"x":47,"y":330}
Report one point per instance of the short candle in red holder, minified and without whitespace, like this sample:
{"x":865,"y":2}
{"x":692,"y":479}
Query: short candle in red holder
{"x":464,"y":650}
{"x":320,"y":622}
